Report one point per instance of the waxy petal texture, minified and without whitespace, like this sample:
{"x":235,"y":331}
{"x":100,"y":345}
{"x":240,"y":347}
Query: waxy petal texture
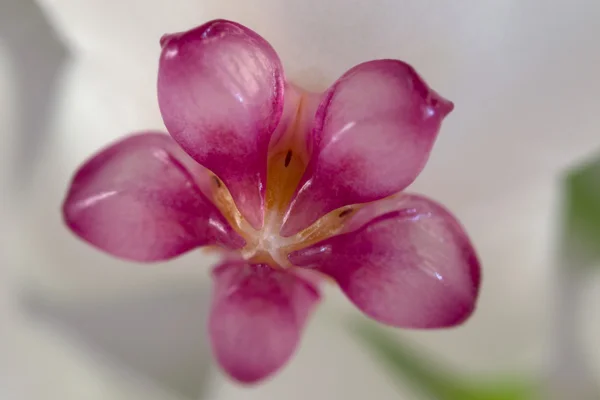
{"x":373,"y":133}
{"x":410,"y":266}
{"x":220,"y":91}
{"x":138,"y":200}
{"x":257,"y":317}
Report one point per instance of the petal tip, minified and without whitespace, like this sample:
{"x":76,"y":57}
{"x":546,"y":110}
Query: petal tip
{"x":440,"y":105}
{"x":219,"y":26}
{"x":449,"y":107}
{"x":165,"y":38}
{"x":248,"y":377}
{"x":169,"y":45}
{"x":211,"y":29}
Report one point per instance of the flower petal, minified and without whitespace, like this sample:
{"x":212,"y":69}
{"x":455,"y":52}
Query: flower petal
{"x":220,"y":91}
{"x":412,"y":265}
{"x":138,"y":200}
{"x":373,"y":133}
{"x":257,"y":317}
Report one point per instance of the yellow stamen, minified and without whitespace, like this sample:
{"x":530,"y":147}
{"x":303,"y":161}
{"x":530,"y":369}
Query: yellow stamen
{"x":224,"y":201}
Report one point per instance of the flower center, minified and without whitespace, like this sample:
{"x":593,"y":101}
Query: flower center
{"x":288,"y":157}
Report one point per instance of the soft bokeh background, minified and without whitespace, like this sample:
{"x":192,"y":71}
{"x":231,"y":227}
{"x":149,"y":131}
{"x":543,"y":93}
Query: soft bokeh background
{"x":77,"y":74}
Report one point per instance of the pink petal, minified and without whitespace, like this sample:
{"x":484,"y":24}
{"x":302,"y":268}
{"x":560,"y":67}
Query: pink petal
{"x":220,"y":90}
{"x":373,"y":133}
{"x":411,"y":266}
{"x":257,"y":317}
{"x":137,"y":200}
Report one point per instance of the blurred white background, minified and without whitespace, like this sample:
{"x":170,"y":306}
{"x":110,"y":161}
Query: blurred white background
{"x":76,"y":74}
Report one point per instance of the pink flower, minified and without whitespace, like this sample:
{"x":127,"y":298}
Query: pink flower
{"x":292,"y":186}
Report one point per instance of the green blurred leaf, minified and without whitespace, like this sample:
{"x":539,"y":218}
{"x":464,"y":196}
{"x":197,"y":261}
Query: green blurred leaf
{"x":513,"y":389}
{"x":581,"y":215}
{"x":431,"y":379}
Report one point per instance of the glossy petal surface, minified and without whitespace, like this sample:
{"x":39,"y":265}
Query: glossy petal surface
{"x":257,"y":317}
{"x":411,"y":265}
{"x":220,"y":91}
{"x":138,"y":200}
{"x":373,"y":133}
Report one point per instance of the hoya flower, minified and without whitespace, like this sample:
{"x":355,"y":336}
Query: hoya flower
{"x":291,"y":186}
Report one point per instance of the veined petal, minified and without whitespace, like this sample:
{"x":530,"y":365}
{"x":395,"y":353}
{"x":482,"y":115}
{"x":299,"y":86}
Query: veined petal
{"x":373,"y":133}
{"x":257,"y":317}
{"x":139,"y":199}
{"x":411,"y":265}
{"x":220,"y":91}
